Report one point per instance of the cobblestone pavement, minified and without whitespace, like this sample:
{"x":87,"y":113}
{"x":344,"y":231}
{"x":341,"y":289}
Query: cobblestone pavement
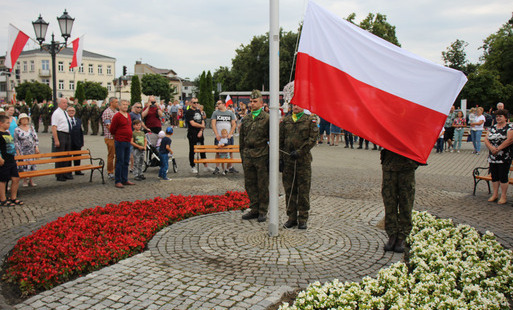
{"x":219,"y":261}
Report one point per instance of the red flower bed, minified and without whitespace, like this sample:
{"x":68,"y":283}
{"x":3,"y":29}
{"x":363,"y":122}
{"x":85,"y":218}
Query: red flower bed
{"x":79,"y":243}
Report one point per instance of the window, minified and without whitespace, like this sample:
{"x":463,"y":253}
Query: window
{"x":60,"y":66}
{"x":109,"y":70}
{"x":91,"y":70}
{"x":46,"y":81}
{"x":81,"y":68}
{"x":45,"y":64}
{"x":61,"y":85}
{"x":109,"y":86}
{"x":100,"y":69}
{"x":70,"y":69}
{"x":25,"y":66}
{"x":72,"y":85}
{"x":32,"y":66}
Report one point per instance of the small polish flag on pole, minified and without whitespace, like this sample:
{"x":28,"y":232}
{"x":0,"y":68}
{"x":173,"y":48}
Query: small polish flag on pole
{"x":370,"y":87}
{"x":229,"y":101}
{"x":17,"y":40}
{"x":78,"y":49}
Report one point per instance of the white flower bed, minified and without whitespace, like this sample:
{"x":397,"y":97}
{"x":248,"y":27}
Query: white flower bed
{"x":450,"y":267}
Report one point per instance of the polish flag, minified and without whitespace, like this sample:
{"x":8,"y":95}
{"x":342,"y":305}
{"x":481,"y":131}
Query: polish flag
{"x":78,"y":49}
{"x":17,"y":40}
{"x":371,"y":87}
{"x":229,"y":101}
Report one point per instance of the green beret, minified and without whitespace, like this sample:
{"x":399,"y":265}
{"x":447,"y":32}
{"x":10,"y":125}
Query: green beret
{"x":255,"y":94}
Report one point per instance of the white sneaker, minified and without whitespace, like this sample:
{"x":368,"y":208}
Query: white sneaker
{"x":457,"y":151}
{"x":210,"y":169}
{"x":194,"y":170}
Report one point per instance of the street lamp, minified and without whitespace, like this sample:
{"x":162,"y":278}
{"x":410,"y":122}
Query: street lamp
{"x":40,"y":28}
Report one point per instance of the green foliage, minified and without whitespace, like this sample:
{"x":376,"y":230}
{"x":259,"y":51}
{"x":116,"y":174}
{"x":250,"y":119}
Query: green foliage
{"x":95,"y":91}
{"x":29,"y":98}
{"x":498,"y":53}
{"x":378,"y":25}
{"x":209,"y":103}
{"x":157,"y":85}
{"x":80,"y":92}
{"x":135,"y":90}
{"x":485,"y":89}
{"x":202,"y":85}
{"x":39,"y":91}
{"x":455,"y":56}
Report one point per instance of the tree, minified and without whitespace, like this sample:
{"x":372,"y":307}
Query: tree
{"x":498,"y":53}
{"x":209,"y":103}
{"x":378,"y":25}
{"x":29,"y":98}
{"x":95,"y":91}
{"x":485,"y":89}
{"x":80,"y":92}
{"x":455,"y":56}
{"x":157,"y":85}
{"x":39,"y":91}
{"x":202,"y":88}
{"x":135,"y":90}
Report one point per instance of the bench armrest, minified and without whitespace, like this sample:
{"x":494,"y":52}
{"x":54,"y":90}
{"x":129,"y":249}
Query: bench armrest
{"x":101,"y":162}
{"x":480,"y":170}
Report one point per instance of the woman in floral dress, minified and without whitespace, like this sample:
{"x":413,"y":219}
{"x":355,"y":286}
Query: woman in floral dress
{"x":26,"y":142}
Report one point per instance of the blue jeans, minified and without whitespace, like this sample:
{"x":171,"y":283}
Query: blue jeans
{"x":164,"y":165}
{"x":458,"y":136}
{"x":122,"y":160}
{"x":476,"y":139}
{"x":440,"y":145}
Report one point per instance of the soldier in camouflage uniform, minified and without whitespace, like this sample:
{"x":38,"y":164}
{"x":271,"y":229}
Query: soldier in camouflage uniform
{"x":24,"y":108}
{"x":46,"y":114}
{"x":298,"y":135}
{"x":95,"y":118}
{"x":35,"y":113}
{"x":86,"y":111}
{"x":398,"y":192}
{"x":254,"y":150}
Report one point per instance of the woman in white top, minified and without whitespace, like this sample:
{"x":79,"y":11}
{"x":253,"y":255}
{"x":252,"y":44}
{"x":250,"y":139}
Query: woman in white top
{"x":476,"y":128}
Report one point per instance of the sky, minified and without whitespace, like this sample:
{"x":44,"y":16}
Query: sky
{"x":195,"y":35}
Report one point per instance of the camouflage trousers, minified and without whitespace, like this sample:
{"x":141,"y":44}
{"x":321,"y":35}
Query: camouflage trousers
{"x":398,"y":192}
{"x":94,"y":127}
{"x":256,"y":182}
{"x":296,"y":181}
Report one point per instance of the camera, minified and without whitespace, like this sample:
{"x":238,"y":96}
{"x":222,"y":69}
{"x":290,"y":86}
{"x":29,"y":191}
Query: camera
{"x":153,"y":102}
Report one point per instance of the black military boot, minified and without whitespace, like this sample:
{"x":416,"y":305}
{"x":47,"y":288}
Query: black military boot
{"x":290,"y":223}
{"x":301,"y":225}
{"x":400,"y":245}
{"x":262,"y":218}
{"x":250,"y":215}
{"x":390,"y":245}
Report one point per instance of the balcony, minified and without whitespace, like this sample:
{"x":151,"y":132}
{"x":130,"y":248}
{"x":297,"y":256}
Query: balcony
{"x":44,"y":73}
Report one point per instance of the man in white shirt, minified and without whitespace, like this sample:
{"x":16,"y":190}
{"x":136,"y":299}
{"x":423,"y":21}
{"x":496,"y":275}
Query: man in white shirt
{"x":60,"y":133}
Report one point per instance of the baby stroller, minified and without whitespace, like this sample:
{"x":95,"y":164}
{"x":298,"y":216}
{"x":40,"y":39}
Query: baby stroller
{"x":152,"y":158}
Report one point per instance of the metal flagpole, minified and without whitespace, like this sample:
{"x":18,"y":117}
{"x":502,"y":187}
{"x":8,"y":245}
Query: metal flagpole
{"x":274,"y":120}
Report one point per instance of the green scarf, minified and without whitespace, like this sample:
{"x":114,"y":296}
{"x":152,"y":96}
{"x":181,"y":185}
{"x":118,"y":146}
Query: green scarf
{"x":256,"y":113}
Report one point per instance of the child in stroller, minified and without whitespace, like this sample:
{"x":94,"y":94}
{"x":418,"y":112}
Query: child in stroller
{"x":152,"y":158}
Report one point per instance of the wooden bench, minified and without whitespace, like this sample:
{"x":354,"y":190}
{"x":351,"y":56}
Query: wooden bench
{"x":58,"y":157}
{"x":479,"y":175}
{"x":216,"y":149}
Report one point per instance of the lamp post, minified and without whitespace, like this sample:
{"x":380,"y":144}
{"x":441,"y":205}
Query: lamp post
{"x":40,"y":28}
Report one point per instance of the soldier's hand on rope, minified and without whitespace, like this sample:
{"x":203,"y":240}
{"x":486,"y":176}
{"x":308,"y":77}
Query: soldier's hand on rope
{"x":294,"y":155}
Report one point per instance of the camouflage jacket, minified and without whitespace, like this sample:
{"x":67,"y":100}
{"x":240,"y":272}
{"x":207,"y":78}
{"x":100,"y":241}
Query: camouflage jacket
{"x":35,"y":110}
{"x":300,"y":136}
{"x":95,"y":112}
{"x":391,"y":161}
{"x":254,"y":135}
{"x":86,"y":111}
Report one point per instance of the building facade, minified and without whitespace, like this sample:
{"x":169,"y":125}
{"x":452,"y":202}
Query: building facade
{"x":36,"y":65}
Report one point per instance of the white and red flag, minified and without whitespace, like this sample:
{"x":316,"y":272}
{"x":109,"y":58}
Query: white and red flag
{"x":17,"y":40}
{"x":229,"y":101}
{"x":78,"y":50}
{"x":371,"y":87}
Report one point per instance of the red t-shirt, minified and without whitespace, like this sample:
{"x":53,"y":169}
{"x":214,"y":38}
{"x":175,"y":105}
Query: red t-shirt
{"x":152,"y":119}
{"x":121,"y":127}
